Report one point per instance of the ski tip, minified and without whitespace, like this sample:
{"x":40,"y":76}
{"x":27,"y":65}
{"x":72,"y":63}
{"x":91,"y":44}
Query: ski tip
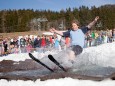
{"x":50,"y":55}
{"x":30,"y":54}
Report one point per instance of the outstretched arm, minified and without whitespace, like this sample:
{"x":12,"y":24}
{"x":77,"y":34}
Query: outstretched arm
{"x":93,"y":22}
{"x":53,"y":30}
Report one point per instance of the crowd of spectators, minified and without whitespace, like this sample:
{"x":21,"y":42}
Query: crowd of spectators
{"x":94,"y":38}
{"x":26,"y":44}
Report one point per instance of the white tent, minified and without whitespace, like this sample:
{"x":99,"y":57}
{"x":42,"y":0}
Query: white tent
{"x":48,"y":33}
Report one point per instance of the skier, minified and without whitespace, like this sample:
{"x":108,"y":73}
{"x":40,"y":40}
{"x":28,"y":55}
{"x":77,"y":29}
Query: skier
{"x":77,"y":36}
{"x":66,"y":58}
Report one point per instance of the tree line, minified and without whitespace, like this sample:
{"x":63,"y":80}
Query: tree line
{"x":20,"y":20}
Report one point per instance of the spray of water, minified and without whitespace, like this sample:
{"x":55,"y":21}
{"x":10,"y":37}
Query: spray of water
{"x":93,"y":60}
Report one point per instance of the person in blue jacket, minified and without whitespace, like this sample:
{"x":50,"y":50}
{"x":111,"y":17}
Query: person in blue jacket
{"x":76,"y":34}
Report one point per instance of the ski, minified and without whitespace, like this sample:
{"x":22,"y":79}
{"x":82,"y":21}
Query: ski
{"x":56,"y":62}
{"x":37,"y":60}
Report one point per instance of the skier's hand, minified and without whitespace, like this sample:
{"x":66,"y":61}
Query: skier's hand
{"x":96,"y":18}
{"x":52,"y":30}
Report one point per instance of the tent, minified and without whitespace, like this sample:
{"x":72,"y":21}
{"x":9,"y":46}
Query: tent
{"x":48,"y":33}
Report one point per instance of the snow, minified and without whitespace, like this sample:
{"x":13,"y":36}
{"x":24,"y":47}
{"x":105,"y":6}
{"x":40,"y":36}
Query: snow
{"x":102,"y":55}
{"x":57,"y":82}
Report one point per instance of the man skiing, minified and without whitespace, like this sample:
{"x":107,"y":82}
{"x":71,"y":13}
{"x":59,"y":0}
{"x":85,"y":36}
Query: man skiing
{"x":67,"y":57}
{"x":76,"y":35}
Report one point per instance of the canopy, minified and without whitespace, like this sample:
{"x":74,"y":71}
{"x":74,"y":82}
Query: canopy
{"x":48,"y":33}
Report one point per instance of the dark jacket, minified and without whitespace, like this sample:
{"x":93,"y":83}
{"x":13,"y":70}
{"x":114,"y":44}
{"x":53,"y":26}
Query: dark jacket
{"x":37,"y":43}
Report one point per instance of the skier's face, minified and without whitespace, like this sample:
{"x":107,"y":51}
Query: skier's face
{"x":74,"y":26}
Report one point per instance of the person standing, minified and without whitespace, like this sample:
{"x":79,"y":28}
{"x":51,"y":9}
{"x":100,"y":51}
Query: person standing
{"x":37,"y":43}
{"x":1,"y":45}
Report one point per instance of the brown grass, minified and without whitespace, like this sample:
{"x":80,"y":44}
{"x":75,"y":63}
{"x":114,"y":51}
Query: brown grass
{"x":16,"y":34}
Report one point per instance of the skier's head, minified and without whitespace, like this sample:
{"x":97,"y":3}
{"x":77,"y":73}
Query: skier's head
{"x":75,"y":24}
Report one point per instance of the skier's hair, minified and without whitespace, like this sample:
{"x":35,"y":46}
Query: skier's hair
{"x":76,"y":22}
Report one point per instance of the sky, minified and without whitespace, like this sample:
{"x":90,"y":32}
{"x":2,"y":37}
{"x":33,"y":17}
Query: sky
{"x":54,"y":5}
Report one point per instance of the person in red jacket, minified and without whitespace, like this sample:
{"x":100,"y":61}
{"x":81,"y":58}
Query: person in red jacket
{"x":43,"y":41}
